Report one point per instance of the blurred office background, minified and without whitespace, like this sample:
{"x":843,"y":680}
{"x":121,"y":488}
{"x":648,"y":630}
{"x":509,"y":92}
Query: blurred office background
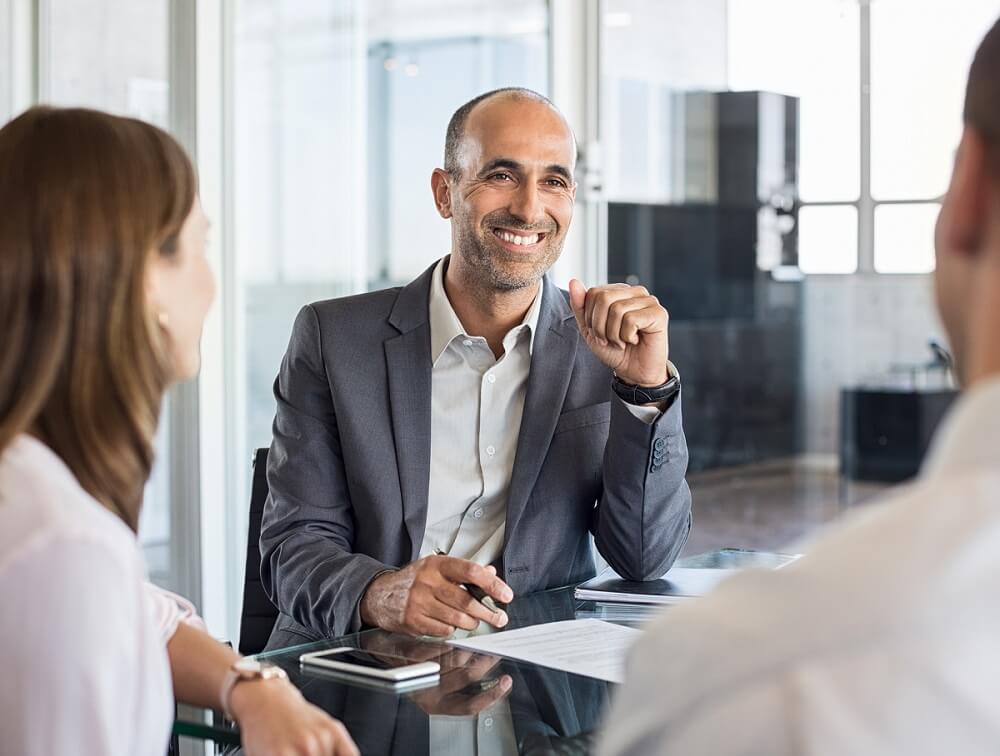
{"x":771,"y":169}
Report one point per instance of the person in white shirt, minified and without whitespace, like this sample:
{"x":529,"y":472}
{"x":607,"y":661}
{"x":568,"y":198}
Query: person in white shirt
{"x":883,"y":639}
{"x":104,"y":288}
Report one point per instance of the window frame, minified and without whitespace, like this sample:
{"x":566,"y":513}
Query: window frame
{"x":866,"y":204}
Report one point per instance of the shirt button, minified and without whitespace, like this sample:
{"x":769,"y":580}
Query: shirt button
{"x":467,"y":342}
{"x":491,"y":378}
{"x":478,"y":514}
{"x":491,"y":450}
{"x":488,"y":722}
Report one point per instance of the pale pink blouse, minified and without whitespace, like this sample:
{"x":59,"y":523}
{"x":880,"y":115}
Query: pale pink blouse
{"x":83,"y":634}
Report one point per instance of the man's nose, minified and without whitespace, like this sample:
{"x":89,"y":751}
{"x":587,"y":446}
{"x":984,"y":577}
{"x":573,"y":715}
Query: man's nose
{"x":526,"y":205}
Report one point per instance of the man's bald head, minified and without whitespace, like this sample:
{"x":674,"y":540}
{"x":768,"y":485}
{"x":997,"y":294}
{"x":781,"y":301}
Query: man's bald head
{"x":459,"y":120}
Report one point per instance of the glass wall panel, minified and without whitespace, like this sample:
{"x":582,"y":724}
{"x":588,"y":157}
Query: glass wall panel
{"x":113,"y":55}
{"x":732,"y":153}
{"x":811,"y":51}
{"x":921,"y":51}
{"x":340,"y":109}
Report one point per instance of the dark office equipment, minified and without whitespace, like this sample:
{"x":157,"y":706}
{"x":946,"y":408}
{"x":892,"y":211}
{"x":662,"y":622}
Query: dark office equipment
{"x":735,"y":328}
{"x":884,"y":433}
{"x":259,"y":614}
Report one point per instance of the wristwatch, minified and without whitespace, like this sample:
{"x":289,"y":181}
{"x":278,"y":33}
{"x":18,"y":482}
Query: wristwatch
{"x":631,"y":393}
{"x":243,"y":670}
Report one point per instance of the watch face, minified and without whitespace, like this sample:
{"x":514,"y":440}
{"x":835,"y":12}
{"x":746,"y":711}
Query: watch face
{"x":248,"y":666}
{"x":271,"y":672}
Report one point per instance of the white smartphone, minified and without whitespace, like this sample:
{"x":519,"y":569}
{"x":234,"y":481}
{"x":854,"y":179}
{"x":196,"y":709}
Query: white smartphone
{"x":354,"y":661}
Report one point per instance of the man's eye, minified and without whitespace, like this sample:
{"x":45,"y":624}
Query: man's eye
{"x":557,"y":182}
{"x":502,"y":177}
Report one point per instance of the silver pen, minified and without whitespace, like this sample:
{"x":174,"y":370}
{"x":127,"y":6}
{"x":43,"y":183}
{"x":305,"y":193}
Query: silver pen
{"x":475,"y":591}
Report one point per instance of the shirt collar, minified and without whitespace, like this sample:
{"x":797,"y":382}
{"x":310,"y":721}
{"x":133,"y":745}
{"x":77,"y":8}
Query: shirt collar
{"x":446,"y":327}
{"x":969,"y":437}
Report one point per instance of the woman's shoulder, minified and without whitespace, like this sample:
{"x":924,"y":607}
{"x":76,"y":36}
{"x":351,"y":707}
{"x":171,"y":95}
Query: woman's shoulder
{"x":44,"y":512}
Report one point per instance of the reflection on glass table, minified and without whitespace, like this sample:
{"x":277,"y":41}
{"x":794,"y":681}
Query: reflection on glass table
{"x":483,"y":704}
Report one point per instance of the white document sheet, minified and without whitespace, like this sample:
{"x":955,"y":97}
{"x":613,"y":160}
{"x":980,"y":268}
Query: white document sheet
{"x":586,"y":647}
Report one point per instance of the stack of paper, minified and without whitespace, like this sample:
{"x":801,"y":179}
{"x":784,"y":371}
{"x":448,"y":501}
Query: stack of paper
{"x":585,"y":647}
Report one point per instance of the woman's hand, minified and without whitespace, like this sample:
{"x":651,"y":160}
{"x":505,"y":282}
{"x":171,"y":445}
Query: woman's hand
{"x":275,"y":720}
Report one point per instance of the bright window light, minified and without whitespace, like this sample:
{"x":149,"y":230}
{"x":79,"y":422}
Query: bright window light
{"x":810,"y":50}
{"x":828,"y":239}
{"x":921,"y":51}
{"x":904,"y":237}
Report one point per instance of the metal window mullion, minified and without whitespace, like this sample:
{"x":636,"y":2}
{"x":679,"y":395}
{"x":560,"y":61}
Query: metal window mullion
{"x":914,"y":201}
{"x":184,"y":473}
{"x":866,"y":205}
{"x":22,"y":53}
{"x":574,"y":69}
{"x":596,"y":241}
{"x":32,"y":17}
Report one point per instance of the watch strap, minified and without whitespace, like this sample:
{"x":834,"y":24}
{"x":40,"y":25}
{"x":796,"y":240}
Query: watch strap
{"x":631,"y":393}
{"x":239,"y":672}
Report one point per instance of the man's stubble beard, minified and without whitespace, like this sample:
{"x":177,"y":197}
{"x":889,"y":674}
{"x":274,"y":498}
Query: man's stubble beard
{"x":482,"y":258}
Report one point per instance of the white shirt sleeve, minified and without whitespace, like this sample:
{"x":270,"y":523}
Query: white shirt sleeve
{"x":170,"y":610}
{"x":72,"y":640}
{"x":648,"y":415}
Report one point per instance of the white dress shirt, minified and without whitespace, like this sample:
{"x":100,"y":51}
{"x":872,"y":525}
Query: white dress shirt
{"x":476,"y":406}
{"x":477,"y":402}
{"x":82,"y":634}
{"x":883,"y":639}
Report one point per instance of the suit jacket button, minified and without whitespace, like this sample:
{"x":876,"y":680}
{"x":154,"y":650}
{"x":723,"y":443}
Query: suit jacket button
{"x":659,"y":443}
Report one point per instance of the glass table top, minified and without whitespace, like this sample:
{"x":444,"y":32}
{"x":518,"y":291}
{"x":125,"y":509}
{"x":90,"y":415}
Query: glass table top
{"x":481,"y":705}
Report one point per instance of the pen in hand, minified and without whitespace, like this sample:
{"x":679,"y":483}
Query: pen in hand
{"x":475,"y":591}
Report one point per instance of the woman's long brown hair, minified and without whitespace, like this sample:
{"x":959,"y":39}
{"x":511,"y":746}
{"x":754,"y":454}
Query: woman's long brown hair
{"x":86,"y":200}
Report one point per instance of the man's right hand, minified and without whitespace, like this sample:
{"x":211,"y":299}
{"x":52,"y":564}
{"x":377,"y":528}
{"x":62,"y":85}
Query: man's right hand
{"x":426,"y":597}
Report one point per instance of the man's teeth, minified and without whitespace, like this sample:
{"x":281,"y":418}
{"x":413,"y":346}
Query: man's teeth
{"x":515,"y":239}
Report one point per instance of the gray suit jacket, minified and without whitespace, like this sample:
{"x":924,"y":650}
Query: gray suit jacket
{"x":349,"y":465}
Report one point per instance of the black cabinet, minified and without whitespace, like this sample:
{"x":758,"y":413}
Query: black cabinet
{"x":884,"y":433}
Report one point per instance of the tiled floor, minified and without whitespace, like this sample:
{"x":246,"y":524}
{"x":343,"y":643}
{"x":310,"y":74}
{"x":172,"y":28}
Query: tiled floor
{"x":768,"y":506}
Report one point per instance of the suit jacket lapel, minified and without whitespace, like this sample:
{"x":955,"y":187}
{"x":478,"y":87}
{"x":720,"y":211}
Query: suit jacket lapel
{"x":408,"y":363}
{"x":552,"y":358}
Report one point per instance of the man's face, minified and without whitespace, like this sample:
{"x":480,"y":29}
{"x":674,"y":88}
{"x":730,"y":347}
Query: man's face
{"x":513,"y":201}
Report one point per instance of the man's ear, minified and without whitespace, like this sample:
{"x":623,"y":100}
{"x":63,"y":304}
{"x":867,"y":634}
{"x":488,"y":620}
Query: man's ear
{"x":966,"y":206}
{"x":441,"y":187}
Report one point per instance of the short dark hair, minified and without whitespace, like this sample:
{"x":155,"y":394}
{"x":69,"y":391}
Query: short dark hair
{"x":456,"y":126}
{"x":982,"y":94}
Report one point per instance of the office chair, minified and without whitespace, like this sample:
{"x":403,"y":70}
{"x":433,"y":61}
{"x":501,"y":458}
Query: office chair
{"x":259,"y":614}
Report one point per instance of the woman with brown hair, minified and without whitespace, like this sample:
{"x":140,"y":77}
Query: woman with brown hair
{"x":104,"y":288}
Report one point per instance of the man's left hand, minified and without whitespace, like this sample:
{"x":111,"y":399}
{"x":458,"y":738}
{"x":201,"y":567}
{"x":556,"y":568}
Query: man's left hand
{"x":626,"y":329}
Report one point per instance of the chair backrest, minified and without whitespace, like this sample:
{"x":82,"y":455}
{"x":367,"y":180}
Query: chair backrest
{"x":259,"y":614}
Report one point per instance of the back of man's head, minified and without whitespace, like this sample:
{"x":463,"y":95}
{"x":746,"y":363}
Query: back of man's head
{"x":982,"y":95}
{"x":967,"y":237}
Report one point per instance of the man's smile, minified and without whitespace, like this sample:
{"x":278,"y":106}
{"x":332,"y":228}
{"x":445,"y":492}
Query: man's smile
{"x":518,"y":241}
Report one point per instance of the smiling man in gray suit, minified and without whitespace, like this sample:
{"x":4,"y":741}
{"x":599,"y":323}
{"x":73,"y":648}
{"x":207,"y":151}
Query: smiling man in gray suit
{"x":478,"y":412}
